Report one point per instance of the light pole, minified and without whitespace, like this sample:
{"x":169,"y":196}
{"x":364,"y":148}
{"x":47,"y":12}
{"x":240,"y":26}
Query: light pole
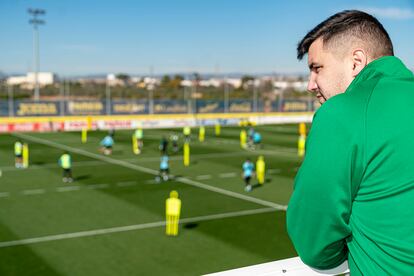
{"x":108,"y":98}
{"x":255,"y":99}
{"x":35,"y":22}
{"x":11,"y":100}
{"x":187,"y":93}
{"x":151,"y":91}
{"x":62,"y":97}
{"x":226,"y":96}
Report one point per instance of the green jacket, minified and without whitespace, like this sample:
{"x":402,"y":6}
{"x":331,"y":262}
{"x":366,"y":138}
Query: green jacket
{"x":353,"y":196}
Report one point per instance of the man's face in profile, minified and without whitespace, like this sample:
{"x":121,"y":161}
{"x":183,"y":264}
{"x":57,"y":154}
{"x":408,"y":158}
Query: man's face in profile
{"x":330,"y":73}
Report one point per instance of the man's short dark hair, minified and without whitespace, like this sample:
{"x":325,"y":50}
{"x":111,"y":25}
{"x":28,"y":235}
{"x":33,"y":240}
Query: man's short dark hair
{"x":348,"y":25}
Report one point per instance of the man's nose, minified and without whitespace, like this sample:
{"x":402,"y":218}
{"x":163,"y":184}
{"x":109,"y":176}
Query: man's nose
{"x":312,"y":86}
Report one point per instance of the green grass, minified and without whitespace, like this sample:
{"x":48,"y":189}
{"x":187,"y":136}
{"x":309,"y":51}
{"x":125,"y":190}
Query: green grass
{"x":34,"y":203}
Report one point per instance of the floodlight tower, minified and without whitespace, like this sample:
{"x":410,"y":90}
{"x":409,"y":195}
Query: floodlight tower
{"x":35,"y":22}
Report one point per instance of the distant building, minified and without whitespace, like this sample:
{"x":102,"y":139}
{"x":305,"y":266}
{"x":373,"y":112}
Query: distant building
{"x":150,"y":83}
{"x":300,"y":85}
{"x":211,"y":83}
{"x":256,"y":83}
{"x":135,"y":79}
{"x":16,"y":80}
{"x":186,"y":83}
{"x":112,"y":80}
{"x":297,"y":85}
{"x":236,"y":83}
{"x":97,"y":80}
{"x":43,"y":78}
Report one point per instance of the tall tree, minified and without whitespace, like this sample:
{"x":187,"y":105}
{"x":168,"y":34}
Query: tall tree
{"x":124,"y":77}
{"x":165,"y":81}
{"x":245,"y":81}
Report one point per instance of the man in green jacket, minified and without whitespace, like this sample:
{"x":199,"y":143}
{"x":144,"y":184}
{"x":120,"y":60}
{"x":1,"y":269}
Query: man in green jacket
{"x":353,"y":196}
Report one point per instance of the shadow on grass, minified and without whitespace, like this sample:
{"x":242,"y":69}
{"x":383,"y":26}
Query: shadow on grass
{"x":82,"y":177}
{"x":256,"y":186}
{"x":190,"y":225}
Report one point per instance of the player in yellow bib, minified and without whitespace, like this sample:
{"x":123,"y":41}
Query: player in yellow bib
{"x":187,"y":133}
{"x":18,"y":154}
{"x":65,"y":162}
{"x":139,"y":135}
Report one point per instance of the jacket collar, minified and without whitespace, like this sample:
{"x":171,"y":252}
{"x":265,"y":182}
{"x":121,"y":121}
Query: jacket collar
{"x":387,"y":66}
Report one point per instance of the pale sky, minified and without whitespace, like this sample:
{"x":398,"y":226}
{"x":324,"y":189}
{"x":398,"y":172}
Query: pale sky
{"x":256,"y":36}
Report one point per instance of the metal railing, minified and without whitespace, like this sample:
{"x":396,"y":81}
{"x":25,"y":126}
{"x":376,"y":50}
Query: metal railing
{"x":286,"y":267}
{"x":64,"y":107}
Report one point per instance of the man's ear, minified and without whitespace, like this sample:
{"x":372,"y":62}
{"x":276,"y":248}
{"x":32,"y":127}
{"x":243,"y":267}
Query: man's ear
{"x":359,"y":60}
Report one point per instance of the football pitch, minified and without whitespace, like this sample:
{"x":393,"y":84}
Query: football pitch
{"x":111,"y":219}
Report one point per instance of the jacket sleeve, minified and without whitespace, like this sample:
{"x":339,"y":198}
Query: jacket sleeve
{"x":319,"y":209}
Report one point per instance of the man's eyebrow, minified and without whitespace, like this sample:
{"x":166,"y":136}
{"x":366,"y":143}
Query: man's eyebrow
{"x":314,"y":65}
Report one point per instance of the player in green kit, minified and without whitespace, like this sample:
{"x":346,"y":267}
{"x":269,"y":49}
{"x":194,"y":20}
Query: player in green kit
{"x":139,"y":135}
{"x":18,"y":154}
{"x":65,"y":162}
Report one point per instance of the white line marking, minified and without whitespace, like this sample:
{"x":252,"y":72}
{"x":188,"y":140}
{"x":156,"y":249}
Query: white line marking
{"x":68,"y":188}
{"x":225,"y":141}
{"x":87,"y":153}
{"x":33,"y":192}
{"x":285,"y":152}
{"x":227,"y":175}
{"x":203,"y":177}
{"x":126,"y":184}
{"x":154,"y":172}
{"x":150,"y":159}
{"x":131,"y":227}
{"x":71,"y":188}
{"x":232,"y":194}
{"x":53,"y":165}
{"x":136,"y":159}
{"x":97,"y":186}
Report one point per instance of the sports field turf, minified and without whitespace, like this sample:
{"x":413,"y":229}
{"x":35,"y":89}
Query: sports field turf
{"x":110,"y":220}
